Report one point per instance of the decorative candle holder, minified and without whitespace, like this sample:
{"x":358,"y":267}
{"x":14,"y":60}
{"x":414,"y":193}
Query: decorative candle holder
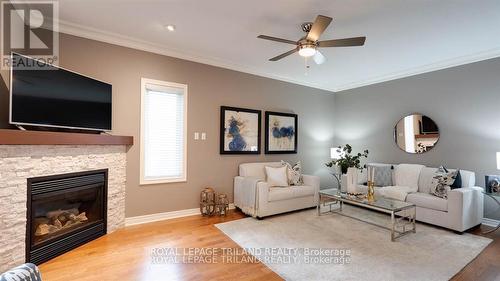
{"x":207,"y":201}
{"x":222,"y":206}
{"x":371,"y":191}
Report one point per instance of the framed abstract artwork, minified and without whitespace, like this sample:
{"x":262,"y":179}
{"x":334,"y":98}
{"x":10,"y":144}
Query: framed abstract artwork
{"x":281,"y":133}
{"x":239,"y":130}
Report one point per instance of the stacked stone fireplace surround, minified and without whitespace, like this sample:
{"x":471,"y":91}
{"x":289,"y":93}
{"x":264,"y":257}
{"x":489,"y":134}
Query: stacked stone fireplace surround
{"x":20,"y":162}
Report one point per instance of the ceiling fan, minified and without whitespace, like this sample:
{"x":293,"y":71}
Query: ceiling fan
{"x":308,"y":45}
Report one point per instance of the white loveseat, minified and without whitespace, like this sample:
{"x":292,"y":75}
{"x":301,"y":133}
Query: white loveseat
{"x":254,"y":196}
{"x":463,"y":209}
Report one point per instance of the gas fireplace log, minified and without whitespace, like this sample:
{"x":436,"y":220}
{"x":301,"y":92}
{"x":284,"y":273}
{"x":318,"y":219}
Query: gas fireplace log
{"x":58,"y":222}
{"x":56,"y":213}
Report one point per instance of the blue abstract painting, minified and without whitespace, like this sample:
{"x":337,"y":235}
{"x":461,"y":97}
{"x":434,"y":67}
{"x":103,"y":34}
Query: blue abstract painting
{"x":241,"y":131}
{"x":282,"y":133}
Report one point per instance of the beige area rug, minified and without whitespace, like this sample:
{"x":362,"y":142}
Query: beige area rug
{"x":430,"y":254}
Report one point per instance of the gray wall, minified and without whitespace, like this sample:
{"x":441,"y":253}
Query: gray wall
{"x":209,"y":88}
{"x":464,"y":101}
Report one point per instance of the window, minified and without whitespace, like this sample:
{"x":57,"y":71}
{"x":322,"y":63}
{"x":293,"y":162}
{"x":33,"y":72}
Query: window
{"x":163,"y":131}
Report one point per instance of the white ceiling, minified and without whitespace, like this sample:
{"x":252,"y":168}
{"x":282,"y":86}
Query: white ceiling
{"x":404,"y":37}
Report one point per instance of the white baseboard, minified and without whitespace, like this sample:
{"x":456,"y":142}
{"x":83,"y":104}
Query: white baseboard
{"x":164,"y":216}
{"x":490,"y":222}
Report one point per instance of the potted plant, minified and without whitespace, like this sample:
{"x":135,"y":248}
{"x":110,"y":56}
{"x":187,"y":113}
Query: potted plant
{"x":349,"y":164}
{"x":346,"y":159}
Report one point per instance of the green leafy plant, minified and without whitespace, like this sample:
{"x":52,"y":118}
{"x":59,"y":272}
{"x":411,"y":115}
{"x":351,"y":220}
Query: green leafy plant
{"x":347,"y":160}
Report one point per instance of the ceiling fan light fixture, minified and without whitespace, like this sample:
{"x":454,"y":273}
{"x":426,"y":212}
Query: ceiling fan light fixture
{"x":307,"y":51}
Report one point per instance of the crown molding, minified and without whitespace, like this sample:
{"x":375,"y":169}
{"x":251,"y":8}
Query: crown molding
{"x":440,"y":65}
{"x":138,"y":44}
{"x":142,"y":45}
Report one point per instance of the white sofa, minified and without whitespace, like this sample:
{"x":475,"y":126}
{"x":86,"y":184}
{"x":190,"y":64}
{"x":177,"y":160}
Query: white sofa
{"x":254,"y":196}
{"x":463,"y":209}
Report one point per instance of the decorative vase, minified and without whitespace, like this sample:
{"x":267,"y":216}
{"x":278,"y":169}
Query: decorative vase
{"x":352,"y":180}
{"x":343,"y":183}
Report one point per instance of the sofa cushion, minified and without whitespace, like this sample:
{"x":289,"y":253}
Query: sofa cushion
{"x":407,"y":175}
{"x":24,"y":272}
{"x":425,"y":180}
{"x":280,"y":193}
{"x":442,"y":181}
{"x":290,"y":192}
{"x":256,"y":170}
{"x":428,"y":201}
{"x":383,"y":173}
{"x":458,"y":181}
{"x":294,"y":173}
{"x":303,"y":191}
{"x":277,"y":176}
{"x":468,"y":179}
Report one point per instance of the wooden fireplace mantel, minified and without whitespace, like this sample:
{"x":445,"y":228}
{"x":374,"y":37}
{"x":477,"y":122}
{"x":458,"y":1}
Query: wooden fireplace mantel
{"x":18,"y":137}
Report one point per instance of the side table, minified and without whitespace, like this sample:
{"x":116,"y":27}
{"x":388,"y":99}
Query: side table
{"x":493,"y":196}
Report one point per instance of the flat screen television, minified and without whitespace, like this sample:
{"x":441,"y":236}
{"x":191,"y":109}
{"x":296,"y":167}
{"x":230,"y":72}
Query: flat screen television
{"x":428,"y":126}
{"x":50,"y":96}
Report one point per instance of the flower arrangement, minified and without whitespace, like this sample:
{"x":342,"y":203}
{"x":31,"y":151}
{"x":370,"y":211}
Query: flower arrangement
{"x":346,"y":159}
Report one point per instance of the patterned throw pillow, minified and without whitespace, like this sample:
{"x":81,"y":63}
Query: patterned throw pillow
{"x":294,"y":173}
{"x":442,"y":181}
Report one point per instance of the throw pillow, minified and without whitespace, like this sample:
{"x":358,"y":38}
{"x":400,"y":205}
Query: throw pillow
{"x":294,"y":173}
{"x":441,"y":182}
{"x":276,"y":176}
{"x":383,"y":174}
{"x":458,"y":181}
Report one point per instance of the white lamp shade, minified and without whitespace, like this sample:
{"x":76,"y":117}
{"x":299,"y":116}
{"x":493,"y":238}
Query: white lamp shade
{"x":334,"y":154}
{"x":498,"y":160}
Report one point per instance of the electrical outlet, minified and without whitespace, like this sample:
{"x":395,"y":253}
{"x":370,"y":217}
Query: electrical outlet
{"x":203,"y":136}
{"x":196,"y":136}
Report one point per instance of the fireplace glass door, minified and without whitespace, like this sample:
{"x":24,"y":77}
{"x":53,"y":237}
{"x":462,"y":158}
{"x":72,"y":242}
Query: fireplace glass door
{"x":58,"y":213}
{"x":64,"y":211}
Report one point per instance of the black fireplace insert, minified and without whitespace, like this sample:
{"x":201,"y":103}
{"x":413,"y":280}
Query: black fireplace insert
{"x":64,"y":212}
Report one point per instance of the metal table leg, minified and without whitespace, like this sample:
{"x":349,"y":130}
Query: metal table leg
{"x":393,"y":225}
{"x":319,"y":205}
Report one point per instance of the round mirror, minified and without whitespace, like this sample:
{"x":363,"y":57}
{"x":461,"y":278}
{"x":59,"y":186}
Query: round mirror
{"x":416,"y":133}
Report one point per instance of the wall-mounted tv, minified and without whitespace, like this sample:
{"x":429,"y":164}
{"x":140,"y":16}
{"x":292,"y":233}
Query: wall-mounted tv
{"x":50,"y":96}
{"x":428,"y":126}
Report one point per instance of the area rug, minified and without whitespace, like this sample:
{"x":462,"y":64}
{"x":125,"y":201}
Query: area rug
{"x":430,"y":254}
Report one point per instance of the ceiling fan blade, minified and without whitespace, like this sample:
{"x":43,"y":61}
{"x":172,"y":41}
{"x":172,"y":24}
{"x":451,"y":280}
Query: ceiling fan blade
{"x":347,"y":42}
{"x":284,"y":55}
{"x":318,"y":27}
{"x":276,"y":39}
{"x":319,"y":58}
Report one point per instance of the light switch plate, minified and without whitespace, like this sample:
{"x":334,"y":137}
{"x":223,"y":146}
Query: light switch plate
{"x":196,"y":136}
{"x":203,"y":136}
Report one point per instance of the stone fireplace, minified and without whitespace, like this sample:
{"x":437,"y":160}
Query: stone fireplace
{"x":88,"y":175}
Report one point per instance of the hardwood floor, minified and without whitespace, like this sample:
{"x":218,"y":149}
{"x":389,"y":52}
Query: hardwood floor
{"x":126,"y":255}
{"x":487,"y":265}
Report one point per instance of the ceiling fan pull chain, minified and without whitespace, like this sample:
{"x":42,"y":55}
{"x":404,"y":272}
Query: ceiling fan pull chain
{"x":307,"y":66}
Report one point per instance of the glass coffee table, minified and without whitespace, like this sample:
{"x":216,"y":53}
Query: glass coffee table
{"x":402,"y":213}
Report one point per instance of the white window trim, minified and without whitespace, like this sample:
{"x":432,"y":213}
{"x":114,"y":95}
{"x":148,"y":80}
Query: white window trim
{"x":145,"y":81}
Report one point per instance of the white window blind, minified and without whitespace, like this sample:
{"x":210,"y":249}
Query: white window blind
{"x":163,"y":133}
